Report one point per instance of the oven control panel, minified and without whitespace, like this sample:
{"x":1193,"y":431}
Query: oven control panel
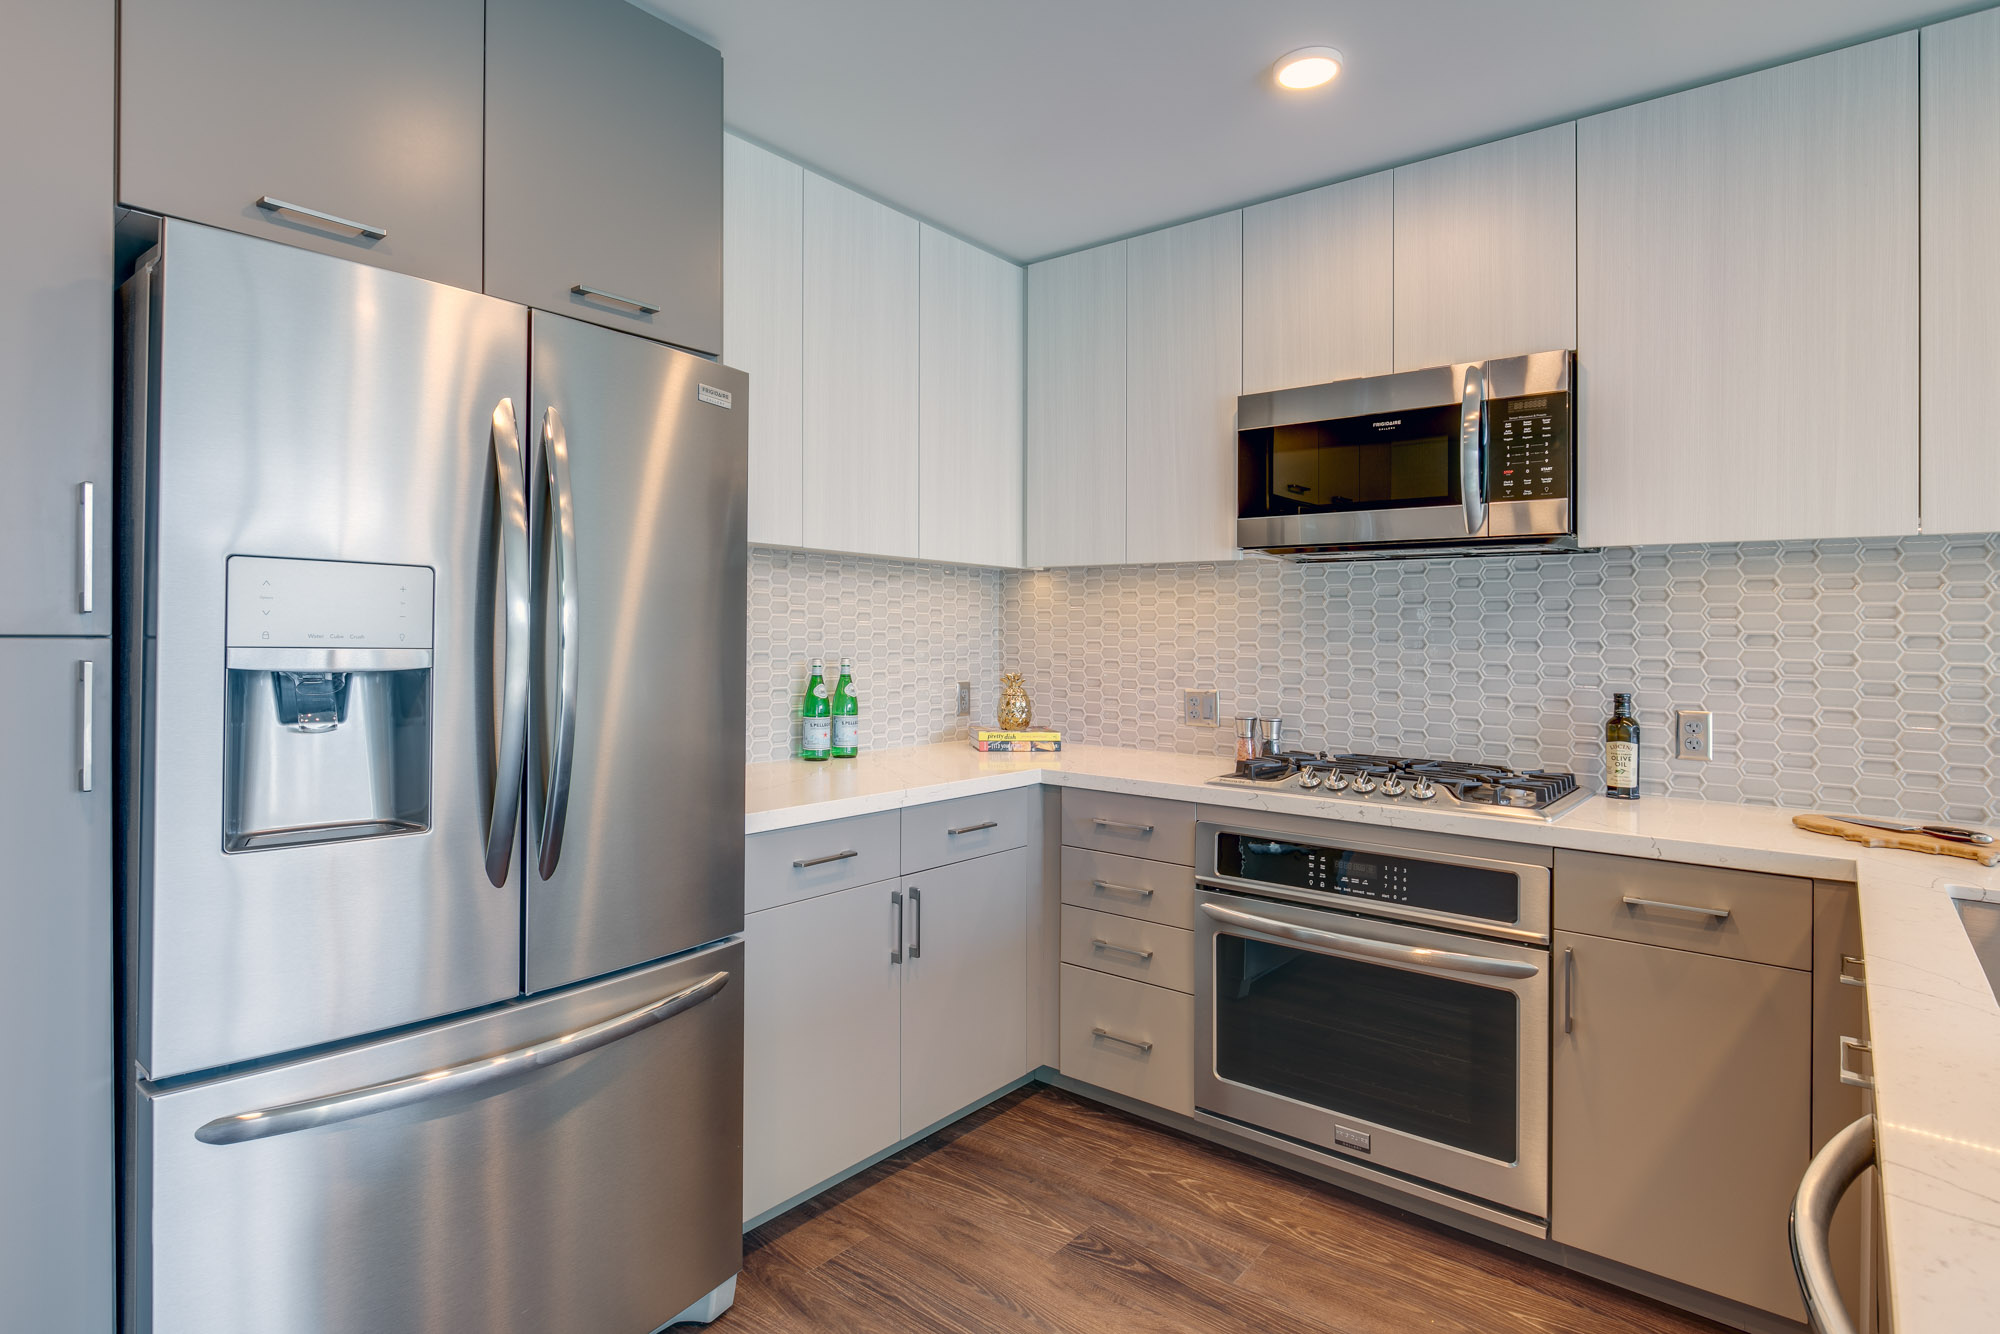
{"x":1527,"y":447}
{"x":1474,"y":892}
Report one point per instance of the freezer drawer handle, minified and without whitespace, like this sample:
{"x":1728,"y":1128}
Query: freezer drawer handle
{"x":562,"y":755}
{"x":270,"y":205}
{"x":1832,"y":1170}
{"x":510,"y":756}
{"x":1359,"y":947}
{"x":615,"y":299}
{"x":406,"y":1092}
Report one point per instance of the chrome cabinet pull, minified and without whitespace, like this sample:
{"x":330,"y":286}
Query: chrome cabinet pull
{"x":1144,"y":956}
{"x":917,"y":933}
{"x":338,"y":1107}
{"x":86,"y":729}
{"x":1111,"y":888}
{"x":1860,"y":965}
{"x":1472,"y":449}
{"x":86,"y":544}
{"x":510,"y":757}
{"x":821,"y":861}
{"x":1719,"y":914}
{"x":1832,"y":1170}
{"x":1569,"y":990}
{"x":555,"y":809}
{"x":1109,"y":1036}
{"x":271,"y":205}
{"x":1360,"y":947}
{"x":973,"y":828}
{"x":613,"y":297}
{"x":896,"y":902}
{"x":1123,"y":824}
{"x":1847,"y":1076}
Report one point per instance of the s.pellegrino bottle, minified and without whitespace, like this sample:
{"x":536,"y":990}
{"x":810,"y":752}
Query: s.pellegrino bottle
{"x":1621,"y":750}
{"x":846,"y":713}
{"x":817,"y":743}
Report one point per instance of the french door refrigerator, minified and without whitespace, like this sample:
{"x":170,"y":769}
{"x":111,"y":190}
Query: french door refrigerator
{"x":433,"y":821}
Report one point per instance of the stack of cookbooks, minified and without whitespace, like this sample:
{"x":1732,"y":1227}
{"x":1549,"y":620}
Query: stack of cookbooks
{"x":1001,"y":738}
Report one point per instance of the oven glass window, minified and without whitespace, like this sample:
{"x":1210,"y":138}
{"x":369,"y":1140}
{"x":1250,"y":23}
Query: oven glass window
{"x":1428,"y":1056}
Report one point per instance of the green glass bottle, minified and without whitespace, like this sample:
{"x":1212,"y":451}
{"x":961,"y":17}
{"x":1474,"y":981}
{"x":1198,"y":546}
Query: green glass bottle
{"x":846,"y":714}
{"x":817,"y":742}
{"x":1621,"y":750}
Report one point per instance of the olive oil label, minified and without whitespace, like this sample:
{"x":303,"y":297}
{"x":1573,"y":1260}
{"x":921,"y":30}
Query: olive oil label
{"x":844,"y":731}
{"x":818,"y":730}
{"x":1621,"y":764}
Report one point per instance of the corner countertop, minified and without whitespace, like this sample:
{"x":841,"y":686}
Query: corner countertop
{"x":1933,"y":1020}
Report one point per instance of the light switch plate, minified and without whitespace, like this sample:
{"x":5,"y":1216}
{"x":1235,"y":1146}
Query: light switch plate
{"x":1694,"y":734}
{"x":1198,"y":708}
{"x":965,"y":699}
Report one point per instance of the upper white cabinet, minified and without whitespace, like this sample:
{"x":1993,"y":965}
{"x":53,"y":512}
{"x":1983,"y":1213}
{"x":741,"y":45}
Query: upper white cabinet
{"x":1747,"y":306}
{"x":1960,"y":470}
{"x":969,"y":394}
{"x":1184,"y":370}
{"x":860,"y":448}
{"x":1075,"y":511}
{"x":763,"y":327}
{"x":1486,"y":251}
{"x":1319,"y":285}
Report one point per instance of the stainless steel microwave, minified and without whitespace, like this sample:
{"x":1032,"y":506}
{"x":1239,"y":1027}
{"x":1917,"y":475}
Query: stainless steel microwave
{"x":1478,"y":457}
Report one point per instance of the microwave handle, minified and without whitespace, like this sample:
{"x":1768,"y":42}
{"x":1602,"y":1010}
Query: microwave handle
{"x":1472,"y":449}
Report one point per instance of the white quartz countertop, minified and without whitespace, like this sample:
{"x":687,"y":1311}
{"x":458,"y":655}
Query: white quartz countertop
{"x":1933,"y":1020}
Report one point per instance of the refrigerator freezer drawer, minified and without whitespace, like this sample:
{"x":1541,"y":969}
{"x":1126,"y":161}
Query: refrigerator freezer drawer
{"x":565,"y":1194}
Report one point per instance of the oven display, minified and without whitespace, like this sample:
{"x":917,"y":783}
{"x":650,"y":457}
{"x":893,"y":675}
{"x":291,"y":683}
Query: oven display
{"x":1464,"y":891}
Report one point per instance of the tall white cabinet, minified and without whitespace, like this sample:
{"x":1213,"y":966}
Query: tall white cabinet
{"x":1075,"y":501}
{"x":1747,"y":306}
{"x":969,"y":394}
{"x":763,"y":327}
{"x":1319,"y":285}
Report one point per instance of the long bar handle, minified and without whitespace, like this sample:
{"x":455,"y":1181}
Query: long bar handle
{"x":562,"y":756}
{"x":1848,"y":1076}
{"x":821,"y":861}
{"x":1858,"y":963}
{"x":1332,"y":942}
{"x":896,"y":902}
{"x":973,"y":828}
{"x":283,"y":1120}
{"x":1472,"y":449}
{"x":86,"y":547}
{"x":917,"y":911}
{"x":1833,"y":1169}
{"x":1112,"y":887}
{"x":1144,"y":956}
{"x":510,"y":754}
{"x":1719,"y":914}
{"x":1109,"y":1036}
{"x":270,"y":205}
{"x":613,"y":297}
{"x":1569,"y":990}
{"x":86,"y":726}
{"x":1123,"y":824}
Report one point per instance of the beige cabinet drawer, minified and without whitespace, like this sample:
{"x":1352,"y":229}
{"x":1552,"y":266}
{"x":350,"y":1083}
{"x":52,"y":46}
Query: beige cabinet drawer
{"x":1129,"y":886}
{"x":1128,"y":947}
{"x":1128,"y":1037}
{"x":1736,"y":914}
{"x":786,"y":865}
{"x":954,"y":831}
{"x":1136,"y":826}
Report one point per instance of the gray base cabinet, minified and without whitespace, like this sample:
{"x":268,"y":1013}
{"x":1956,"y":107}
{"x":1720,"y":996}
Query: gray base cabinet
{"x":604,"y":168}
{"x":57,"y":1259}
{"x":358,"y":124}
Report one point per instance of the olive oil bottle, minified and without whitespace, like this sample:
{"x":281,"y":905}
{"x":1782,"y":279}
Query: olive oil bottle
{"x":1621,"y":750}
{"x":817,"y":741}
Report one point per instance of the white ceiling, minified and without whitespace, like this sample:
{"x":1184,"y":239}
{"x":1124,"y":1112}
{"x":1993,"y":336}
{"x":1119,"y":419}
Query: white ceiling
{"x":1036,"y":127}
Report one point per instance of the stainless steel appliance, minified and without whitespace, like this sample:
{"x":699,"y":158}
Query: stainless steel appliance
{"x":435,"y":629}
{"x":1379,"y":1000}
{"x":1468,"y":788}
{"x":1478,"y":457}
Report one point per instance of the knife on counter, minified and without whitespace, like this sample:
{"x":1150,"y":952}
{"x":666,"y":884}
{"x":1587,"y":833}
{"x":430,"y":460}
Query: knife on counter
{"x":1950,"y":833}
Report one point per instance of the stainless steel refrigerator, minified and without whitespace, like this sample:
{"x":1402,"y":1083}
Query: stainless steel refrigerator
{"x":433,"y":807}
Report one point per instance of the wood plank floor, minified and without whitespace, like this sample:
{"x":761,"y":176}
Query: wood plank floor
{"x":1047,"y":1212}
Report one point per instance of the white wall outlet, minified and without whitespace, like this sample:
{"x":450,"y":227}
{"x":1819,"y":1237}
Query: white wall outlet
{"x":1694,"y":734}
{"x":1198,"y":708}
{"x":965,"y":699}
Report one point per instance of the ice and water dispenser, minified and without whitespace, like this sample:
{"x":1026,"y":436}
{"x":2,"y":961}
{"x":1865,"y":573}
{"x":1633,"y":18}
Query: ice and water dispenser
{"x":329,"y":708}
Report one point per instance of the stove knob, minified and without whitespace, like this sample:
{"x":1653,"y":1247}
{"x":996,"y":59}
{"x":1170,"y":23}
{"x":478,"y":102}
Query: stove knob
{"x":1363,"y":785}
{"x":1423,"y":790}
{"x":1393,"y":786}
{"x":1337,"y":782}
{"x":1310,"y":778}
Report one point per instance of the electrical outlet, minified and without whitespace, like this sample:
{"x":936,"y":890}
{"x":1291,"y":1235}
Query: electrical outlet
{"x":1694,"y":734}
{"x":965,"y":699}
{"x":1198,"y":708}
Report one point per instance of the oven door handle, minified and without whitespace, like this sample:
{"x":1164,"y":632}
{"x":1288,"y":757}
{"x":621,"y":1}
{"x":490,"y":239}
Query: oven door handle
{"x":1333,"y":942}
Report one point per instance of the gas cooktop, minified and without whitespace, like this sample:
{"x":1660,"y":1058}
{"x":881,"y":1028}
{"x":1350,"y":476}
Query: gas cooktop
{"x":1474,"y":789}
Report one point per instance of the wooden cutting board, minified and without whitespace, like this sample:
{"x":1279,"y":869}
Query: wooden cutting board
{"x":1986,"y":854}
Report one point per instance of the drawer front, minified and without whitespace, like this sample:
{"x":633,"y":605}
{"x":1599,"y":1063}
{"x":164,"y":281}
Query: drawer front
{"x":787,"y":865}
{"x":1162,"y":831}
{"x":1129,"y":886}
{"x":1129,"y":1038}
{"x":1127,"y":947}
{"x":954,"y":831}
{"x":1735,"y":914}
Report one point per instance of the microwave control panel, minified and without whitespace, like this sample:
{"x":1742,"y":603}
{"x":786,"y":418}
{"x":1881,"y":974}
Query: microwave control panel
{"x":1528,"y":448}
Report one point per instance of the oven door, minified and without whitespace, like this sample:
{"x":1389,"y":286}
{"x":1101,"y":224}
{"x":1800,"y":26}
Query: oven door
{"x":1421,"y":1053}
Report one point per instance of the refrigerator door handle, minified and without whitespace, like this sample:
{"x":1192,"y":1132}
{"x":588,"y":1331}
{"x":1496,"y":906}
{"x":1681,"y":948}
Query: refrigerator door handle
{"x":562,"y":755}
{"x":405,"y":1092}
{"x":510,"y":759}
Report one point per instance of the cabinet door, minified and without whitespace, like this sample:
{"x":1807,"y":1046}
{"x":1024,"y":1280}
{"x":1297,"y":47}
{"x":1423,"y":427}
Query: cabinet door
{"x":1747,"y":307}
{"x":1681,"y":1114}
{"x":820,"y":1061}
{"x":969,"y":403}
{"x":365,"y":113}
{"x":860,"y":451}
{"x":1960,"y":481}
{"x":1184,"y":370}
{"x":604,"y":168}
{"x":763,"y":312}
{"x":965,"y":985}
{"x":56,"y":1235}
{"x":1319,"y":287}
{"x":1486,"y":251}
{"x":55,"y":318}
{"x":1075,"y":500}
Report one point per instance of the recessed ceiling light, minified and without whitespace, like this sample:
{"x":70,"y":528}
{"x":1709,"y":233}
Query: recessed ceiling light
{"x":1307,"y":67}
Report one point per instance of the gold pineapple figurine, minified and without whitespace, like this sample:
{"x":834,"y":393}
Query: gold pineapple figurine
{"x":1015,"y":710}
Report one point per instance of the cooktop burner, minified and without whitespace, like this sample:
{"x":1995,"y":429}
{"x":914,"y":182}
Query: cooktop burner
{"x":1495,"y":789}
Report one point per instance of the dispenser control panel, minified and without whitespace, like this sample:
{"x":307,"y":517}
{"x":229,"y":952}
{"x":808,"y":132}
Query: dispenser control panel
{"x":277,"y":603}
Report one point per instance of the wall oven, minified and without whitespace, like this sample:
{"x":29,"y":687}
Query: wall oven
{"x":1476,"y":457}
{"x":1379,"y":997}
